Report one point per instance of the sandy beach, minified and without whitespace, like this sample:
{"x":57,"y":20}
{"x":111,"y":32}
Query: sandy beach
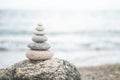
{"x":103,"y":72}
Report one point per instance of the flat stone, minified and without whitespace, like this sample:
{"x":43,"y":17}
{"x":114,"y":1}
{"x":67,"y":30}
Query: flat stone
{"x":52,"y":69}
{"x":39,"y":39}
{"x":41,"y":33}
{"x":39,"y":46}
{"x":39,"y":55}
{"x":40,"y":28}
{"x":40,"y":25}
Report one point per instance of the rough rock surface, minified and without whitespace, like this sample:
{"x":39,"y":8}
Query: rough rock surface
{"x":104,"y":72}
{"x":53,"y":69}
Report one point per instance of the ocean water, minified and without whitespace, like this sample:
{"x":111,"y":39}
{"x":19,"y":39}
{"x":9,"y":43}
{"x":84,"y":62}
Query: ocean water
{"x":85,"y":38}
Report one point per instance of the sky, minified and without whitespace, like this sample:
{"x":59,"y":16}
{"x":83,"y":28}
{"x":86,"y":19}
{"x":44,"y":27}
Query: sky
{"x":59,"y":4}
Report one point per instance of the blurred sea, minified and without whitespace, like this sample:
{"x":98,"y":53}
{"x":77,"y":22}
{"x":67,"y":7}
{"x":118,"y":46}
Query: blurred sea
{"x":85,"y":38}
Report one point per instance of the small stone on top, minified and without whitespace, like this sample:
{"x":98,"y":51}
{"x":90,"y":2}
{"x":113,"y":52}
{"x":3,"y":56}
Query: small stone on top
{"x":40,"y":25}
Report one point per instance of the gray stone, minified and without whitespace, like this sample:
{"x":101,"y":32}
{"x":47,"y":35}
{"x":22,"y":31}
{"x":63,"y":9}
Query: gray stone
{"x":39,"y":46}
{"x":40,"y":25}
{"x":40,"y":28}
{"x":41,"y":33}
{"x":39,"y":39}
{"x":53,"y":69}
{"x":39,"y":55}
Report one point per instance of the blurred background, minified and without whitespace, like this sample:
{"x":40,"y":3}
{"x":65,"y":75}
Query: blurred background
{"x":84,"y":32}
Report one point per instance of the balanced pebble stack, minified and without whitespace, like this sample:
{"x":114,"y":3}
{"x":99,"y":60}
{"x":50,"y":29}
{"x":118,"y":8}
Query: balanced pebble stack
{"x":40,"y":66}
{"x":39,"y":49}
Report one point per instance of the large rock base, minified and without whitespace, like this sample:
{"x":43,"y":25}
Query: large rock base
{"x":53,"y":69}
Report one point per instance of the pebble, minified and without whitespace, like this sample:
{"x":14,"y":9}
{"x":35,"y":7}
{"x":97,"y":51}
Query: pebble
{"x":40,"y":25}
{"x":39,"y":55}
{"x":39,"y":39}
{"x":40,"y":28}
{"x":39,"y":46}
{"x":41,"y":33}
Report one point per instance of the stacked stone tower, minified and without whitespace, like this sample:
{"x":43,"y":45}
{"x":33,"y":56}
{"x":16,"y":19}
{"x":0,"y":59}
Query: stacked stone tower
{"x":39,"y":66}
{"x":39,"y":49}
